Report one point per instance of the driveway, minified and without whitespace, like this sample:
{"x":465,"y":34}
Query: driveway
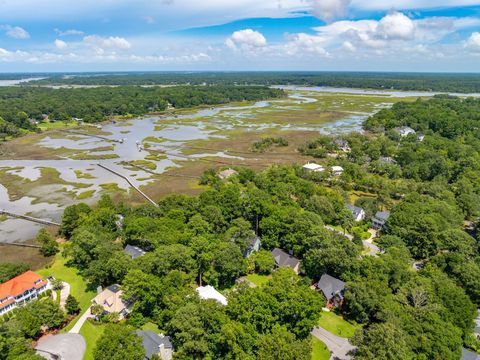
{"x":78,"y":325}
{"x":64,"y":294}
{"x":62,"y":346}
{"x":373,"y":250}
{"x":339,"y":347}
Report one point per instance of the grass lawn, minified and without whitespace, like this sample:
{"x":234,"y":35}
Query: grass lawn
{"x":319,"y":350}
{"x":149,"y":326}
{"x":78,"y":286}
{"x":336,"y":324}
{"x":91,"y":333}
{"x":258,"y":280}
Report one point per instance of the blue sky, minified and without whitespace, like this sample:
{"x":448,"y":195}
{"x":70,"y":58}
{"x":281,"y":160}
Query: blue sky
{"x":355,"y":35}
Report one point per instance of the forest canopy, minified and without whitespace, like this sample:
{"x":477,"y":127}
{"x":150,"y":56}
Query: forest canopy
{"x":20,"y":107}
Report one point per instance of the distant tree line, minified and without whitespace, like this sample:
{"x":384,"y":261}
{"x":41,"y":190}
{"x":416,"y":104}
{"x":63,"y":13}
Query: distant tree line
{"x":463,"y":83}
{"x":20,"y":107}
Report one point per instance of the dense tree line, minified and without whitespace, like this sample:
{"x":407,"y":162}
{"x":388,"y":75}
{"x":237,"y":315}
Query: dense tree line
{"x":20,"y":105}
{"x":407,"y":314}
{"x":463,"y":83}
{"x":416,"y":300}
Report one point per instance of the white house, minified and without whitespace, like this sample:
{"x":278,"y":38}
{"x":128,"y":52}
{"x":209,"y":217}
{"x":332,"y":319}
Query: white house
{"x":209,"y":292}
{"x":404,"y":131}
{"x":357,"y":212}
{"x":21,"y":289}
{"x":313,"y":167}
{"x":337,"y":170}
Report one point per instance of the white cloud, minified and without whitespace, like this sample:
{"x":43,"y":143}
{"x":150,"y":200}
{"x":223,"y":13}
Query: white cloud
{"x":247,"y":39}
{"x":299,"y":44}
{"x":329,"y":10}
{"x":473,"y":42}
{"x":107,"y":43}
{"x":396,"y":26}
{"x":70,"y":32}
{"x":15,"y":32}
{"x":60,"y":44}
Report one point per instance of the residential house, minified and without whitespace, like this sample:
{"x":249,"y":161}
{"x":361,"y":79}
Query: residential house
{"x":254,"y":244}
{"x":111,"y":299}
{"x":21,"y":289}
{"x":337,"y":170}
{"x":404,"y":131}
{"x":209,"y":292}
{"x":333,"y":289}
{"x":156,"y":344}
{"x":133,"y":251}
{"x":384,"y":160}
{"x":357,"y":212}
{"x":225,"y":174}
{"x":469,"y":355}
{"x":312,"y":167}
{"x":381,"y":217}
{"x":282,"y":259}
{"x":342,"y":144}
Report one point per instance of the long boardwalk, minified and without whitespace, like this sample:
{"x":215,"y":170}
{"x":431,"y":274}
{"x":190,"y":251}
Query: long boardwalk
{"x":92,"y":135}
{"x":29,"y":218}
{"x":129,"y":182}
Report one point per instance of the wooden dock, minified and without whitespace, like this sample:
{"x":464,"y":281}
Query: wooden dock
{"x":21,"y":245}
{"x":92,"y":135}
{"x":28,"y":218}
{"x":129,"y":182}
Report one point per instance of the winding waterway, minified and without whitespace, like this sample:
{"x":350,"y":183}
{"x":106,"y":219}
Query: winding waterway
{"x":49,"y":200}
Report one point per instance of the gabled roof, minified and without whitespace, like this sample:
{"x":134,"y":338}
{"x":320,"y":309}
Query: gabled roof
{"x":330,"y":286}
{"x":21,"y":283}
{"x":313,"y":167}
{"x":111,"y":299}
{"x":382,"y":215}
{"x":133,"y":251}
{"x":337,"y":168}
{"x":152,"y":342}
{"x":225,"y":174}
{"x":356,"y":211}
{"x":340,"y":142}
{"x":282,"y":259}
{"x":209,"y":292}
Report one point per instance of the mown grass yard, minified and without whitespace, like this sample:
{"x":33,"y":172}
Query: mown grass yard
{"x":337,"y":325}
{"x":78,"y":286}
{"x":319,"y":350}
{"x":258,"y":280}
{"x":91,"y":333}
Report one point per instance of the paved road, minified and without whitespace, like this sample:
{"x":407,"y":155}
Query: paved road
{"x":339,"y":347}
{"x":78,"y":325}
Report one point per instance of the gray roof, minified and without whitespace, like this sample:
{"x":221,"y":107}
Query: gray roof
{"x":133,"y":251}
{"x":330,"y":286}
{"x":283,"y":259}
{"x":355,"y":210}
{"x":114,"y":288}
{"x":469,"y":355}
{"x":382,"y":215}
{"x":340,"y":142}
{"x":152,"y":341}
